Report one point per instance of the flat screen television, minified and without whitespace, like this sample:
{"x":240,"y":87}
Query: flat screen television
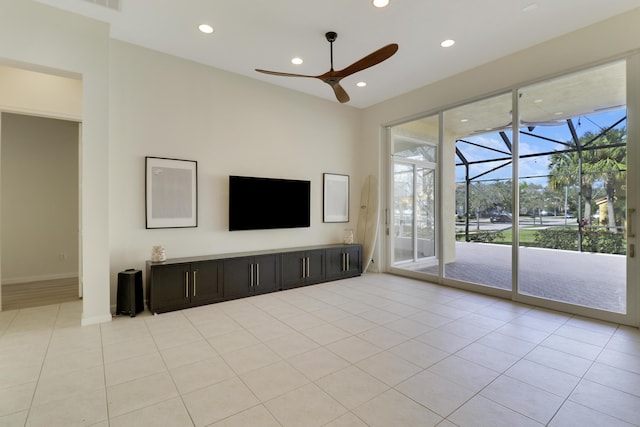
{"x":267,"y":203}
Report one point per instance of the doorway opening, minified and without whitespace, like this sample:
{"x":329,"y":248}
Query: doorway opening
{"x":39,"y":211}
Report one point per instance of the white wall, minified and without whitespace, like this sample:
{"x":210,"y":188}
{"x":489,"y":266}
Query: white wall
{"x":162,"y":106}
{"x":594,"y":44}
{"x":45,"y":39}
{"x":39,"y":198}
{"x":39,"y":93}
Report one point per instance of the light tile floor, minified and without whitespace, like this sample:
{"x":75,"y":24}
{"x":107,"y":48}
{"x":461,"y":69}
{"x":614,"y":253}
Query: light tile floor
{"x":376,"y":350}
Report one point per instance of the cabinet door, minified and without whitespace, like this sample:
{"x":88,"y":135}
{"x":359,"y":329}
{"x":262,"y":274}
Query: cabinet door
{"x":237,"y":277}
{"x":315,"y":266}
{"x":335,"y":263}
{"x":354,"y":260}
{"x":266,"y":273}
{"x":169,"y":287}
{"x":206,"y":281}
{"x":344,"y":261}
{"x":293,"y":269}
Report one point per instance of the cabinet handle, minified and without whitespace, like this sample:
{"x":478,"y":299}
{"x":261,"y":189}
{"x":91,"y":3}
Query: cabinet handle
{"x":194,"y":282}
{"x":308,"y":268}
{"x":348,"y":262}
{"x":303,"y":261}
{"x":251,"y":281}
{"x":186,"y":284}
{"x":257,"y":274}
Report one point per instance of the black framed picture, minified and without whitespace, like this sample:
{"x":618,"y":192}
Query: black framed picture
{"x":171,"y":193}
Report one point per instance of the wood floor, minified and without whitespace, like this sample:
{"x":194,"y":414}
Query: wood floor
{"x":36,"y":294}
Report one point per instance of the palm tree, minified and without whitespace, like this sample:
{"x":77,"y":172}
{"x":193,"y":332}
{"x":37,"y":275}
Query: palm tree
{"x":607,"y":163}
{"x":563,"y":172}
{"x":610,"y":165}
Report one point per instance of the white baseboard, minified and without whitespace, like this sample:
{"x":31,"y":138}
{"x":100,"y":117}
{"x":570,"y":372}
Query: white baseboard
{"x":86,"y":321}
{"x":18,"y":280}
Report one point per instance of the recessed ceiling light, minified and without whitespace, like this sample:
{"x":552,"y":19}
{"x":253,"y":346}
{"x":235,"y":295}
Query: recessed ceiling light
{"x":205,"y":28}
{"x":297,"y":61}
{"x":537,"y":101}
{"x":380,"y":3}
{"x":464,"y":120}
{"x":559,"y":113}
{"x":448,"y":43}
{"x":361,"y":84}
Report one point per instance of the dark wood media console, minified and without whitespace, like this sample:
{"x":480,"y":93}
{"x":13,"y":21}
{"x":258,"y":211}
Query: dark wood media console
{"x":180,"y":283}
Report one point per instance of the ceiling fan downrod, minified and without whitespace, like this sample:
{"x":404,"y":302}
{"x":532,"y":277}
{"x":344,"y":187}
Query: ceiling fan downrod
{"x":331,"y":37}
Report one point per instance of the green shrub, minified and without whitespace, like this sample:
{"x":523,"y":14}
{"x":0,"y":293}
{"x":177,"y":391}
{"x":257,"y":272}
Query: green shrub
{"x":601,"y":241}
{"x":604,"y":241}
{"x":557,"y":238}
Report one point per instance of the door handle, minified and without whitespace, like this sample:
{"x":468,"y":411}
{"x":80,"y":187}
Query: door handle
{"x":257,"y":274}
{"x":194,"y":282}
{"x":186,"y":284}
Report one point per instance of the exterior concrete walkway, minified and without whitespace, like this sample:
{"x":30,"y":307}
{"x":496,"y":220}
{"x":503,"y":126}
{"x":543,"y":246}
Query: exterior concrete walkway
{"x":582,"y":278}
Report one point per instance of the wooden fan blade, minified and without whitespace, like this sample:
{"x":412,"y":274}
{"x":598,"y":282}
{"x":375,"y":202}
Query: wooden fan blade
{"x":369,"y":61}
{"x":277,"y":73}
{"x":341,"y":94}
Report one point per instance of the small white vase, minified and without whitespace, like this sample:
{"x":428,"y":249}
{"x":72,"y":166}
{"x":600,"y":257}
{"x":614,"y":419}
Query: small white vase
{"x":158,"y":254}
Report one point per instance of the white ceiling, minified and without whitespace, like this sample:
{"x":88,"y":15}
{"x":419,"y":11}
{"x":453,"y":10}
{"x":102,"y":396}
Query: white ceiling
{"x":264,"y":34}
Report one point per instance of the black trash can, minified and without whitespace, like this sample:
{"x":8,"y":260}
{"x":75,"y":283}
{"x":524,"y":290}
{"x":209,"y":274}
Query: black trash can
{"x":130,"y":299}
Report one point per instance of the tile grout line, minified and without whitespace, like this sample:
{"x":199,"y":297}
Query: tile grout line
{"x":44,"y":358}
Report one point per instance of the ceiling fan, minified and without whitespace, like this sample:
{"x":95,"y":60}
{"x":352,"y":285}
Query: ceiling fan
{"x":332,"y":77}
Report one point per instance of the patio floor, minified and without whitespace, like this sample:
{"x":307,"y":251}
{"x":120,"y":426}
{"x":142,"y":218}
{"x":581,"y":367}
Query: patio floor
{"x":582,"y":278}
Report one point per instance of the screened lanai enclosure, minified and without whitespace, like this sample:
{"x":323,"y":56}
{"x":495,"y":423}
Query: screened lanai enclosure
{"x":538,"y":210}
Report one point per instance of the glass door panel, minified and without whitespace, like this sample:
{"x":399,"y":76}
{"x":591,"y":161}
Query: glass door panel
{"x":412,"y":231}
{"x":478,"y":149}
{"x":573,"y":189}
{"x":425,"y":212}
{"x":403,"y":230}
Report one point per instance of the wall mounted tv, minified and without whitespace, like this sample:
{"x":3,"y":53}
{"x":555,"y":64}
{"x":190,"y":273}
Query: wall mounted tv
{"x":267,"y":203}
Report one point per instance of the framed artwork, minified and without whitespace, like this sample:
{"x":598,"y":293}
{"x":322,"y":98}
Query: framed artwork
{"x":171,"y":193}
{"x":335,"y":198}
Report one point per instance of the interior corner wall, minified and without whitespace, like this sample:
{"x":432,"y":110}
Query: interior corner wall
{"x":163,"y":106}
{"x":594,"y":44}
{"x":52,"y":41}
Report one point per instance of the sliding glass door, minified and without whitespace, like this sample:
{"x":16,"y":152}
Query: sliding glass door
{"x":526,"y":195}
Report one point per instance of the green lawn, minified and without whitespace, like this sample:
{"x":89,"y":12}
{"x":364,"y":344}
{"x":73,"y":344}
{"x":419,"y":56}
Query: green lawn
{"x":527,"y":237}
{"x":504,"y":237}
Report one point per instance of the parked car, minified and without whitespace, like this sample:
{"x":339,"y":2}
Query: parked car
{"x":500,"y":218}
